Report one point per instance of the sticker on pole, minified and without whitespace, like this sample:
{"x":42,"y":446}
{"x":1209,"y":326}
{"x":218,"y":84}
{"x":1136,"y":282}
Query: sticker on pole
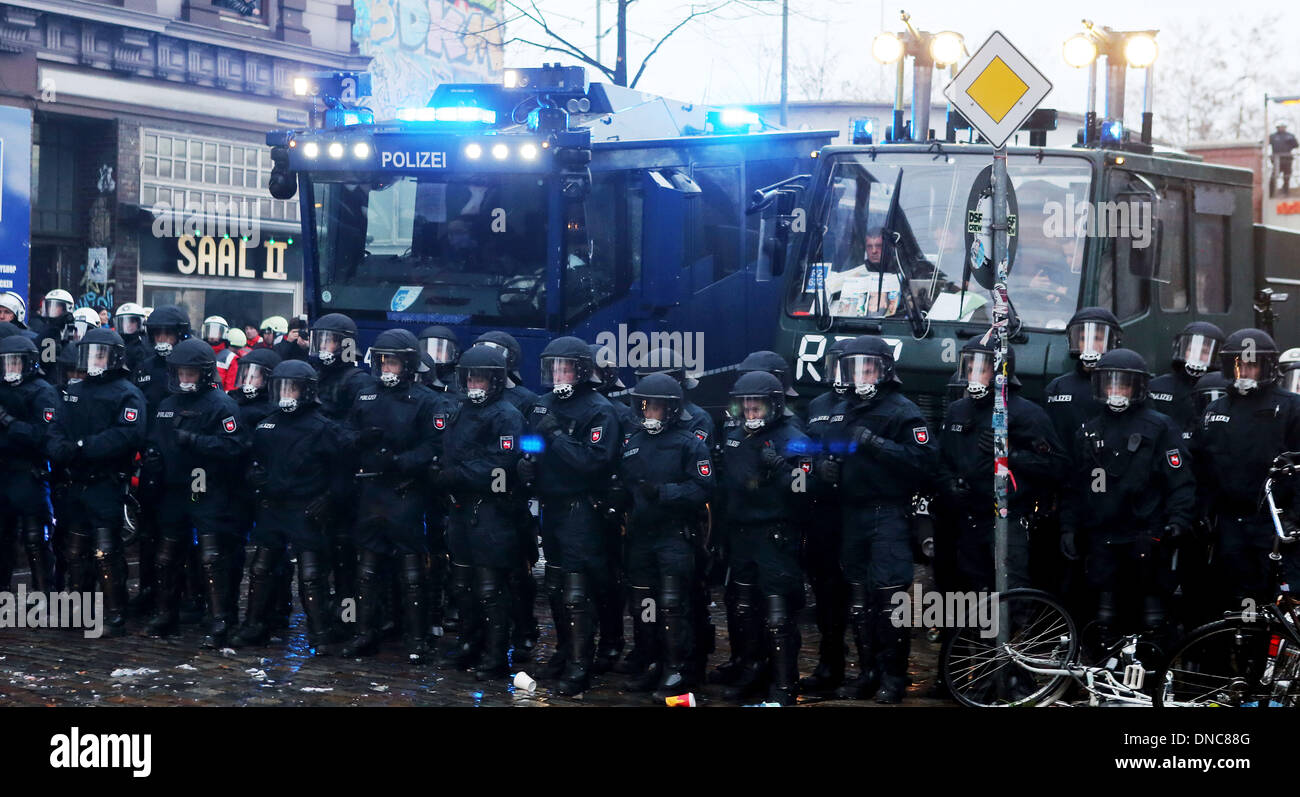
{"x":997,"y":89}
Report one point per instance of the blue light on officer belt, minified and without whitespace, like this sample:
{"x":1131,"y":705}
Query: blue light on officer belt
{"x":532,"y":444}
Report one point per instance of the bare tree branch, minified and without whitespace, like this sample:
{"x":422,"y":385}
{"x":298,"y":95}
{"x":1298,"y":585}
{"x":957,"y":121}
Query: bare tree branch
{"x":666,"y":36}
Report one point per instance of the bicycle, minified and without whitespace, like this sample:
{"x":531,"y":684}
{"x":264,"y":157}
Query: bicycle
{"x":1242,"y":661}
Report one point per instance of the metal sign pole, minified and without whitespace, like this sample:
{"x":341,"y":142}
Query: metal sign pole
{"x":1001,"y":322}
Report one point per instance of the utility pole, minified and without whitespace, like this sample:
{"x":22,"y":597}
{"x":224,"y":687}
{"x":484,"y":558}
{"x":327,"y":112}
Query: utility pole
{"x":785,"y":62}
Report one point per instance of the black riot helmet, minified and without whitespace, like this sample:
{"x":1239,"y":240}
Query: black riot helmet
{"x":294,"y":385}
{"x":772,"y":363}
{"x":507,"y":344}
{"x":757,"y":400}
{"x":167,"y":320}
{"x":605,"y":368}
{"x":830,"y":364}
{"x":657,"y":402}
{"x":976,"y":369}
{"x":333,"y":340}
{"x":1092,"y":332}
{"x":19,"y":357}
{"x":7,"y":328}
{"x":395,"y":357}
{"x":1210,"y":388}
{"x":443,"y":348}
{"x":1249,"y":360}
{"x":1196,"y":347}
{"x":191,"y":367}
{"x":567,"y":368}
{"x":482,"y":373}
{"x":667,"y":361}
{"x":253,"y":376}
{"x":1120,"y":380}
{"x":101,"y":352}
{"x":867,"y":363}
{"x":66,"y":371}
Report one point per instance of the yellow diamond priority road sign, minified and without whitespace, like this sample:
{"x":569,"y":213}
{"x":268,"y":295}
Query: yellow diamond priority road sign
{"x":997,"y":89}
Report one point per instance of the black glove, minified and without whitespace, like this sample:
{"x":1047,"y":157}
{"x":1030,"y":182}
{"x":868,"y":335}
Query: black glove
{"x":986,"y":441}
{"x":1173,"y":531}
{"x":957,"y":489}
{"x":527,"y":470}
{"x":828,"y":470}
{"x":647,"y":492}
{"x":548,"y":427}
{"x":866,"y":438}
{"x":386,"y":461}
{"x":258,"y":477}
{"x":185,"y":438}
{"x":6,"y":419}
{"x":152,"y":463}
{"x":773,"y":462}
{"x":317,"y":509}
{"x":1068,"y":549}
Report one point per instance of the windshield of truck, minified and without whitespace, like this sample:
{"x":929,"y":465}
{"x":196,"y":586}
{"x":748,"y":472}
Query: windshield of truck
{"x":455,"y":250}
{"x":899,"y":225}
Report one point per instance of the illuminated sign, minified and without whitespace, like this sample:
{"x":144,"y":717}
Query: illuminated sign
{"x":228,"y":257}
{"x":413,"y":160}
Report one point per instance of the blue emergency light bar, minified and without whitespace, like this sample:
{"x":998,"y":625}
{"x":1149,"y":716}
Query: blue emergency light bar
{"x":732,"y":120}
{"x":1112,"y":132}
{"x":461,"y":114}
{"x":862,"y":130}
{"x":346,"y":117}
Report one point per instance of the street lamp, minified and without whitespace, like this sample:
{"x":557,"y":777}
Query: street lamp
{"x":927,"y":50}
{"x":1122,"y":49}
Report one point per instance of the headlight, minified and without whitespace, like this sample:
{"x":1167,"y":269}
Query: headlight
{"x":335,"y":150}
{"x":473,"y":151}
{"x":528,"y":152}
{"x":311,"y":149}
{"x":500,"y":151}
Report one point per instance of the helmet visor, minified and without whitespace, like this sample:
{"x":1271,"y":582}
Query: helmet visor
{"x":1090,"y":337}
{"x":129,"y":324}
{"x":1118,"y":389}
{"x":14,"y":366}
{"x":480,"y":382}
{"x":830,"y":367}
{"x":1197,"y":351}
{"x":95,"y":358}
{"x":186,"y":378}
{"x":53,"y":308}
{"x":560,"y":371}
{"x":290,"y":393}
{"x":213,"y":331}
{"x":443,"y":351}
{"x":976,"y":368}
{"x":328,"y":345}
{"x":252,"y":377}
{"x":752,"y":411}
{"x":1291,"y":380}
{"x":861,"y":369}
{"x":1256,"y":366}
{"x":389,"y":365}
{"x":655,"y":408}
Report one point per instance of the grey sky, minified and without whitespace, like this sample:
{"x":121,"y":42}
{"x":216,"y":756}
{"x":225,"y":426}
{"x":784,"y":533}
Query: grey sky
{"x":734,"y":56}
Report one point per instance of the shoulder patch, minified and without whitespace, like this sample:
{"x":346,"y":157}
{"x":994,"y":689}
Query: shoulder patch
{"x":597,"y":433}
{"x":702,"y":435}
{"x":704,"y":467}
{"x":129,"y":414}
{"x":507,"y":442}
{"x":229,"y":424}
{"x":48,"y":414}
{"x":921,"y":435}
{"x":440,"y":420}
{"x":1175,"y":458}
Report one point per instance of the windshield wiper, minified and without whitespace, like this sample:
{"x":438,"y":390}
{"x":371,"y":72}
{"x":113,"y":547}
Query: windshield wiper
{"x":904,"y":282}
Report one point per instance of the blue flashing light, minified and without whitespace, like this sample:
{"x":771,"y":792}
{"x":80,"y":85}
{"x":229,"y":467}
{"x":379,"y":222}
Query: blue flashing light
{"x":862,"y":130}
{"x":346,"y":117}
{"x":1112,"y":132}
{"x":470,"y":114}
{"x":797,"y":447}
{"x":738,"y":117}
{"x":532,"y":444}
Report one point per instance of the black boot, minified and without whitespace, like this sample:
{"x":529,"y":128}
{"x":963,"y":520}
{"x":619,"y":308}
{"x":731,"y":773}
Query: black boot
{"x":145,"y":598}
{"x":893,"y":645}
{"x":194,"y":593}
{"x":642,"y":664}
{"x":783,"y":644}
{"x":263,"y":586}
{"x":582,"y":635}
{"x":677,"y":633}
{"x":727,"y":672}
{"x":862,"y":618}
{"x":79,"y":549}
{"x":490,"y":585}
{"x":111,"y":563}
{"x":415,"y":616}
{"x":750,"y":671}
{"x":9,"y":536}
{"x":345,"y":567}
{"x":435,"y":589}
{"x":222,"y":608}
{"x":281,"y":610}
{"x":465,"y":651}
{"x":39,"y":559}
{"x":609,"y":617}
{"x":314,"y":590}
{"x":832,"y":618}
{"x":170,"y":570}
{"x":523,"y":592}
{"x":370,"y":583}
{"x":553,"y":585}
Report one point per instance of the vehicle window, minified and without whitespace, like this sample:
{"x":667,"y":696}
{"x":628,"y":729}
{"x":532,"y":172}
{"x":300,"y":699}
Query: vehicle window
{"x":717,"y":218}
{"x":1211,"y":263}
{"x":1173,"y":250}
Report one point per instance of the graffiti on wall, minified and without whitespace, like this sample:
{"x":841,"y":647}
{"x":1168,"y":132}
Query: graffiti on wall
{"x":417,"y":44}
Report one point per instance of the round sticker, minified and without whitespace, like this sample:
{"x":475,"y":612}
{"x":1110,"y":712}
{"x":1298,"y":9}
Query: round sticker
{"x":326,"y":296}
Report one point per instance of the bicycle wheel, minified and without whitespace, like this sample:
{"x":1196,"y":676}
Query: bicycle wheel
{"x":1220,"y":664}
{"x":980,"y":673}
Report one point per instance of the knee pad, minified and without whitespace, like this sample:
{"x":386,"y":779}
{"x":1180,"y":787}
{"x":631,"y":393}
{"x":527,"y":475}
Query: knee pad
{"x":172,"y":551}
{"x":636,"y":597}
{"x":265,"y":561}
{"x":553,"y":581}
{"x":462,"y":577}
{"x":369,"y":566}
{"x":312,"y":568}
{"x":413,"y":569}
{"x":1107,"y":610}
{"x":859,"y":598}
{"x":210,"y":549}
{"x":672,"y":593}
{"x":778,"y":611}
{"x":78,"y":545}
{"x":32,"y":531}
{"x":575,"y":590}
{"x":746,"y":598}
{"x":105,"y":542}
{"x":488,"y":582}
{"x":1153,"y":612}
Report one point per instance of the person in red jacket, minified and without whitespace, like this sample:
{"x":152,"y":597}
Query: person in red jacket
{"x":214,"y":332}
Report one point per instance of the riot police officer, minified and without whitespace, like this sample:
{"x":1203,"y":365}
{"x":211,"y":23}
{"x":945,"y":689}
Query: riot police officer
{"x":129,"y":323}
{"x":668,"y":473}
{"x":767,"y":462}
{"x":522,"y":584}
{"x":27,"y":408}
{"x":292,"y":453}
{"x":252,"y":379}
{"x":196,"y":444}
{"x":214,"y":331}
{"x":440,"y":347}
{"x":333,"y":351}
{"x":1195,"y":351}
{"x":480,"y":454}
{"x":1131,"y":495}
{"x":1091,"y":332}
{"x":822,"y":540}
{"x":579,"y":433}
{"x":776,"y":365}
{"x":1240,"y":436}
{"x":99,"y":428}
{"x":396,"y":443}
{"x":668,"y":361}
{"x":13,"y":310}
{"x":1036,"y":460}
{"x":887,"y":457}
{"x":1289,"y":365}
{"x":55,"y":317}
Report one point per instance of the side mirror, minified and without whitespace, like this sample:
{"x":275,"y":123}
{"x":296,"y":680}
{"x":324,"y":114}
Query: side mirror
{"x":782,"y":218}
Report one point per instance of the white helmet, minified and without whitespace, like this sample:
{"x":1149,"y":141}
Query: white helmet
{"x":57,"y":299}
{"x":276,"y":323}
{"x":83,"y":318}
{"x":129,"y":319}
{"x":15,"y":304}
{"x":214,"y":328}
